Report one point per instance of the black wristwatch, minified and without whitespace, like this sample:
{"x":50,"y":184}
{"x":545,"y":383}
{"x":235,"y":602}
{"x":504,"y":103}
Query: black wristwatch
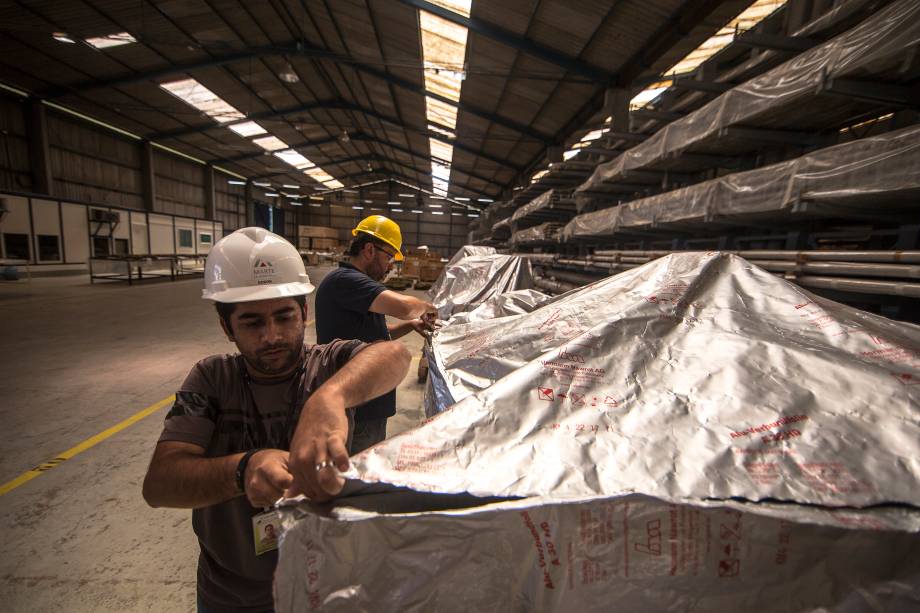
{"x":241,"y":470}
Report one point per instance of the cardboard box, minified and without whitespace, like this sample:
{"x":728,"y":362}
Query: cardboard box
{"x":325,"y":244}
{"x":410,"y":268}
{"x":318,"y":244}
{"x":318,"y":232}
{"x":429,"y":270}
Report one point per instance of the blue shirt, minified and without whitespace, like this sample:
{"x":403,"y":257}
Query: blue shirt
{"x":342,"y":302}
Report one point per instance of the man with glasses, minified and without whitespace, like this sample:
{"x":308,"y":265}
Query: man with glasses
{"x":351,"y":303}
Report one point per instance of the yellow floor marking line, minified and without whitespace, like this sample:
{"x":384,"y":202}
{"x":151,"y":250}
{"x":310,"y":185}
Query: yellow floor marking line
{"x":87,"y":444}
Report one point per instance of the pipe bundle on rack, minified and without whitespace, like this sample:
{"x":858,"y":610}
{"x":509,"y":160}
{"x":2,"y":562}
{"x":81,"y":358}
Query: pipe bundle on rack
{"x":863,"y":272}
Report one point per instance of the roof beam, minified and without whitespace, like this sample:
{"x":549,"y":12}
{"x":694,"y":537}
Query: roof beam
{"x":293,"y":49}
{"x":691,"y":14}
{"x":341,"y":106}
{"x":360,"y":137}
{"x":407,"y":151}
{"x":516,"y":41}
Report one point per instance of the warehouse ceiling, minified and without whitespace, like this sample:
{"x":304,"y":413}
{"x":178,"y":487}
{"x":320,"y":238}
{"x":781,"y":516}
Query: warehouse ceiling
{"x":459,"y":98}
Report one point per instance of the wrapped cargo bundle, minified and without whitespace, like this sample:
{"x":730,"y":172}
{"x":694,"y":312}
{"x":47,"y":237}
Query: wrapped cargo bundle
{"x":694,"y":434}
{"x":475,"y":279}
{"x":468,"y":250}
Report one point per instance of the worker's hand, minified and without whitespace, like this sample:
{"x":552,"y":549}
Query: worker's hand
{"x":267,"y":477}
{"x":431,"y":312}
{"x":423,"y":325}
{"x":318,"y":447}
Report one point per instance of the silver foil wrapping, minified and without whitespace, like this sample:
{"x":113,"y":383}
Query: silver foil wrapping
{"x":476,"y":278}
{"x":694,"y":434}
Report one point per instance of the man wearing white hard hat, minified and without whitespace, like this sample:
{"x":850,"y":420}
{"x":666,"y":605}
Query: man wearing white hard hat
{"x":273,"y":420}
{"x":352,"y":303}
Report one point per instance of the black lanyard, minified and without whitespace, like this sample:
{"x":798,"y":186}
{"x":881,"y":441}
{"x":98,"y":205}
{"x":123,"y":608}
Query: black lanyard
{"x":251,"y":413}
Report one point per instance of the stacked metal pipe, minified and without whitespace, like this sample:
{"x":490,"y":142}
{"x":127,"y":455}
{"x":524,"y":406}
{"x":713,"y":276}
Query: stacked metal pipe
{"x":866,"y":272}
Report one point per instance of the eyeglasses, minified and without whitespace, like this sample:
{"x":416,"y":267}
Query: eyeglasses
{"x":390,"y":255}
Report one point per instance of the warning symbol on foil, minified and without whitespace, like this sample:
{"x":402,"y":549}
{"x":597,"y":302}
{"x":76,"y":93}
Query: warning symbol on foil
{"x":729,"y":568}
{"x":545,"y":393}
{"x":729,"y":533}
{"x":906,"y":378}
{"x":576,"y":398}
{"x":610,"y":401}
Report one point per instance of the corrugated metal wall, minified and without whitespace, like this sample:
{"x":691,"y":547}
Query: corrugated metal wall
{"x":180,"y":185}
{"x":14,"y":148}
{"x":229,"y":203}
{"x":92,"y":164}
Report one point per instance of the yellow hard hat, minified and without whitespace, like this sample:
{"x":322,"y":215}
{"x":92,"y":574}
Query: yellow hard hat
{"x":383,"y":228}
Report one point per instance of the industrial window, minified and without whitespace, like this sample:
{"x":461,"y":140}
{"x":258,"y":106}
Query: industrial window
{"x":121,"y":246}
{"x":185,"y":238}
{"x":17,"y":246}
{"x":49,"y":249}
{"x":100,"y":246}
{"x":204,"y":239}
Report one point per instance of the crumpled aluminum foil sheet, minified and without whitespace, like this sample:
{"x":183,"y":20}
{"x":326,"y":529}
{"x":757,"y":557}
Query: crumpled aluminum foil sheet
{"x":732,"y":439}
{"x":631,"y":553}
{"x":468,"y":250}
{"x":438,"y":394}
{"x":476,"y":278}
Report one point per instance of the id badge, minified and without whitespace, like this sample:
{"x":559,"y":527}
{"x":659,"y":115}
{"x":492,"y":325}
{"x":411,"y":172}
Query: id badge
{"x":265,"y":530}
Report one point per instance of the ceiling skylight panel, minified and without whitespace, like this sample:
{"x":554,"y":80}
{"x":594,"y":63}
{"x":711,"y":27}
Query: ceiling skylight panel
{"x":443,"y":81}
{"x":294,"y":159}
{"x":444,"y":53}
{"x":247,"y":129}
{"x":750,"y":17}
{"x":318,"y":174}
{"x":111,"y":40}
{"x":441,"y":150}
{"x":461,"y":7}
{"x":441,"y":113}
{"x":270,"y":143}
{"x":197,"y":95}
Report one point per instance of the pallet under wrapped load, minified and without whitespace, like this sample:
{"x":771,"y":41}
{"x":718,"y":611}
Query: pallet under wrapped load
{"x":694,"y":434}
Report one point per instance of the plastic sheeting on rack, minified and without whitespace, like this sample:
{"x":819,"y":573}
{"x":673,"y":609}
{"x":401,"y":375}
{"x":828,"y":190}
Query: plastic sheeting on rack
{"x":857,"y":177}
{"x":875,"y":48}
{"x":642,"y":418}
{"x":474,"y":279}
{"x":502,"y":229}
{"x":548,"y":232}
{"x":550,"y":205}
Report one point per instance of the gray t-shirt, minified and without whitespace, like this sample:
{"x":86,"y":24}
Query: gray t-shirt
{"x":214,"y":409}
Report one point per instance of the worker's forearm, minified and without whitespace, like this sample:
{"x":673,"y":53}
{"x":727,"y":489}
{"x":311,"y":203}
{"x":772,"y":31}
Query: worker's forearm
{"x":188,"y":481}
{"x":399,"y":330}
{"x":415,"y":308}
{"x":375,"y":371}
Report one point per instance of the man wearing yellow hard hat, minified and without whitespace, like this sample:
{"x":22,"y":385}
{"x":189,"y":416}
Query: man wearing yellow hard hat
{"x":351,"y":303}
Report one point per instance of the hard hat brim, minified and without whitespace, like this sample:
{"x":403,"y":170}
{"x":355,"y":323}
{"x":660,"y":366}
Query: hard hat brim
{"x":264,"y":292}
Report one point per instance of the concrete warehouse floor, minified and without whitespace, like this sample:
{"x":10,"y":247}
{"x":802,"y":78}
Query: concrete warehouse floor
{"x":76,"y":359}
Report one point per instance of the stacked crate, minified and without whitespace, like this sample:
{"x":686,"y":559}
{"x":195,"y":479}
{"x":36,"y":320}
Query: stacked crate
{"x":422,"y":264}
{"x":318,"y":238}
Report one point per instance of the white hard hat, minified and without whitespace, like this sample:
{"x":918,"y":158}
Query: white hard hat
{"x":254,"y":264}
